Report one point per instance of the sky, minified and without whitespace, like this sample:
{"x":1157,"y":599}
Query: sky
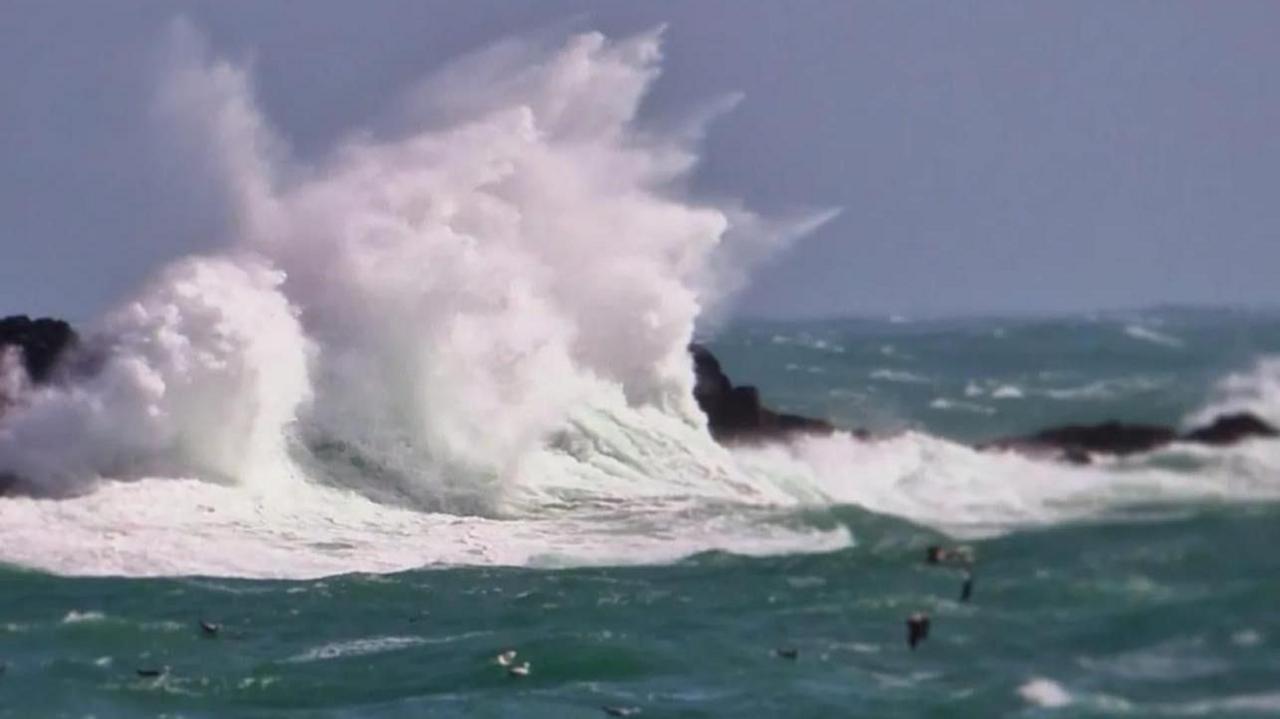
{"x":988,"y":157}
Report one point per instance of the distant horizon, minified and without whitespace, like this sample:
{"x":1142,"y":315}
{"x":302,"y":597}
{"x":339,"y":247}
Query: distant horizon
{"x":1030,"y":314}
{"x":894,"y":317}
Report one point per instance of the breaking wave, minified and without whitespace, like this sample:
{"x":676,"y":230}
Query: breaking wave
{"x":463,"y":341}
{"x":1256,"y":390}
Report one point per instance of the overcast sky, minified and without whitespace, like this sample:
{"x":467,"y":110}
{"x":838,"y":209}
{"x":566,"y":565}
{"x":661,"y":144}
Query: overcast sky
{"x":989,"y":157}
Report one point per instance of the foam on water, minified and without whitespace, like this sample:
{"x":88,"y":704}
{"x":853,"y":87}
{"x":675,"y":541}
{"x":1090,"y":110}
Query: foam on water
{"x":974,"y":493}
{"x":165,"y":526}
{"x":1255,"y":390}
{"x":1045,"y":693}
{"x":1147,"y":334}
{"x":463,"y":341}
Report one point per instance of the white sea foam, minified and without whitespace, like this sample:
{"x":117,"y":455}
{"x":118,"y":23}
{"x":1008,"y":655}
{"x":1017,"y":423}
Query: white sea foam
{"x":1254,"y":390}
{"x":946,"y":404}
{"x":1045,"y":693}
{"x":1147,"y":334}
{"x":1262,"y":703}
{"x":462,"y":342}
{"x":77,"y":617}
{"x":994,"y":389}
{"x":1108,"y":389}
{"x":1247,"y":638}
{"x":902,"y":376}
{"x":1008,"y":391}
{"x":970,"y":493}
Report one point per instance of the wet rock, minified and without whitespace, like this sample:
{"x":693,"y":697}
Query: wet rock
{"x":735,"y":412}
{"x":42,"y":343}
{"x":1231,"y":428}
{"x":1076,"y":444}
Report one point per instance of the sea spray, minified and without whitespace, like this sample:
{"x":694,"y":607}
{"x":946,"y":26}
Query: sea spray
{"x":1256,"y":390}
{"x":201,"y":374}
{"x":519,"y":250}
{"x":464,"y":341}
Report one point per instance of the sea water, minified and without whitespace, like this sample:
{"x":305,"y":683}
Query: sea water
{"x":431,"y":400}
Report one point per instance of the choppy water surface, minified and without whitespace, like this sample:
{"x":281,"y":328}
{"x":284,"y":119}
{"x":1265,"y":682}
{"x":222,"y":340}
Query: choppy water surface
{"x":1162,"y":615}
{"x":431,"y":398}
{"x":1160,"y":602}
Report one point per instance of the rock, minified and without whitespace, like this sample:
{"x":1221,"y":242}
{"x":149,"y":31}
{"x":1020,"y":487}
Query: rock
{"x":1076,"y":444}
{"x":1231,"y":428}
{"x":42,"y":341}
{"x":735,"y":413}
{"x":1106,"y":438}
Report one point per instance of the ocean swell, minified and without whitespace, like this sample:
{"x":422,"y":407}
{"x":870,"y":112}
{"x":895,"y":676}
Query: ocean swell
{"x":466,"y":342}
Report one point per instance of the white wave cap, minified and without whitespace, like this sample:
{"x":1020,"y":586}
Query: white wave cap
{"x":201,"y":373}
{"x":1256,"y":390}
{"x":434,"y":302}
{"x":463,"y":340}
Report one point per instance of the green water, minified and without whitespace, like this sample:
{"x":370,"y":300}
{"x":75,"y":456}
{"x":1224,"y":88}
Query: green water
{"x":1157,"y":601}
{"x":1152,"y":616}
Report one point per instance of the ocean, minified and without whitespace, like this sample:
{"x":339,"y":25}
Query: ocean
{"x":427,"y":399}
{"x":1145,"y":586}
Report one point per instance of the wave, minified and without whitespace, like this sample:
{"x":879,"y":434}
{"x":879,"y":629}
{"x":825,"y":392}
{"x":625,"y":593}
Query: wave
{"x":967,"y":492}
{"x":944,"y":404}
{"x":1255,"y":390}
{"x":434,"y":303}
{"x":464,"y":342}
{"x":901,"y":376}
{"x":1147,"y":334}
{"x":1108,"y":389}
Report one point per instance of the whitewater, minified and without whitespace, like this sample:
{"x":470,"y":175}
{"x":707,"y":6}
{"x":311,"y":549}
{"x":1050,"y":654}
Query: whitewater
{"x":460,"y":337}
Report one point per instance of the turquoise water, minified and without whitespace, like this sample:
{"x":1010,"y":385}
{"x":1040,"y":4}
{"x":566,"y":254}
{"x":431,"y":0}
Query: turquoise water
{"x":1156,"y":366}
{"x":1150,"y":618}
{"x":1159,"y":606}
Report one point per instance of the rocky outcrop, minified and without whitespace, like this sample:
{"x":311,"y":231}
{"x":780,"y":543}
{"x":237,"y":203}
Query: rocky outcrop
{"x":1231,"y":428}
{"x":42,"y":343}
{"x":1106,"y":438}
{"x":735,"y":413}
{"x":1078,"y":443}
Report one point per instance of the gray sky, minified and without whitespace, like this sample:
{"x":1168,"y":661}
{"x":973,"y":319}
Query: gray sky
{"x":988,"y":156}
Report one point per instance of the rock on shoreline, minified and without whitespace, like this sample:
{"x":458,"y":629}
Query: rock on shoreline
{"x":735,"y":413}
{"x":1078,"y":443}
{"x":42,"y":342}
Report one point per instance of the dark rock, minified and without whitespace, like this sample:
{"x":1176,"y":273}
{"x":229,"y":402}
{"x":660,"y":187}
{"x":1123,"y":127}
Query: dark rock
{"x":1075,"y":455}
{"x":1230,"y":429}
{"x":1105,"y":438}
{"x":735,"y":413}
{"x":1077,"y":443}
{"x":43,"y":343}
